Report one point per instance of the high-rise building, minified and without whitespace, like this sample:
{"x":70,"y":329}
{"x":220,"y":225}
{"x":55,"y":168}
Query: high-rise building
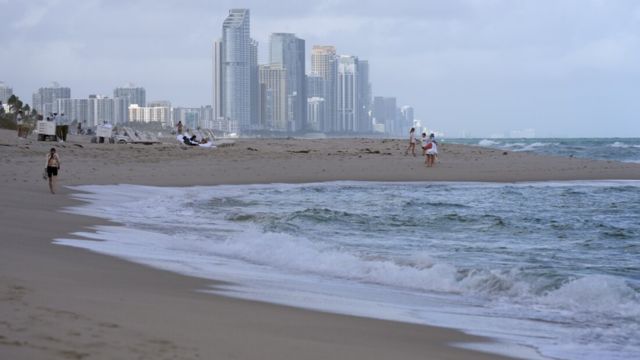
{"x":74,"y":109}
{"x":236,"y":68}
{"x":45,"y":99}
{"x":218,"y":82}
{"x":5,"y":92}
{"x":316,"y":86}
{"x":100,"y":110}
{"x":190,"y":117}
{"x":120,"y":110}
{"x":407,"y":116}
{"x":254,"y":83}
{"x":324,"y":65}
{"x":385,"y":114}
{"x":136,"y":95}
{"x":206,"y":117}
{"x":273,"y":79}
{"x":364,"y":96}
{"x":348,"y":99}
{"x":315,"y":113}
{"x":160,"y":113}
{"x":288,"y":52}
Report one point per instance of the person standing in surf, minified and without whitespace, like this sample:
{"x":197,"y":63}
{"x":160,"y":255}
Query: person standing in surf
{"x":412,"y":142}
{"x":52,"y":167}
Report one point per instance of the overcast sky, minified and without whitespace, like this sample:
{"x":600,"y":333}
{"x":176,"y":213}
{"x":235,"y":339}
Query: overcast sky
{"x":563,"y":67}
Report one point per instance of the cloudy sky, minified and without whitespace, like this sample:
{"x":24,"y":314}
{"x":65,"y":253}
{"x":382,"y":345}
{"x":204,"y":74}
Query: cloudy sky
{"x":482,"y":67}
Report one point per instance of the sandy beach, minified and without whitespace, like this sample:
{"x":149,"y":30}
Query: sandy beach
{"x":64,"y":303}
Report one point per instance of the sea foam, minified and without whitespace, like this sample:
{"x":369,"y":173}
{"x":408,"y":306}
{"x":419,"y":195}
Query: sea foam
{"x":311,"y":245}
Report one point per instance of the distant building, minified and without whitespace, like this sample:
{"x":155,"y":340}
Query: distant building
{"x":206,"y":117}
{"x":159,"y":103}
{"x":315,"y":113}
{"x":152,"y":113}
{"x":254,"y":88}
{"x":5,"y":92}
{"x":236,"y":68}
{"x":324,"y":65}
{"x":45,"y":99}
{"x":364,"y":97}
{"x":385,"y":114}
{"x":190,"y":117}
{"x":100,"y":110}
{"x":316,"y":86}
{"x":135,"y":95}
{"x":273,"y":79}
{"x":408,"y":119}
{"x":74,"y":110}
{"x":218,"y":81}
{"x":288,"y":52}
{"x":347,"y":105}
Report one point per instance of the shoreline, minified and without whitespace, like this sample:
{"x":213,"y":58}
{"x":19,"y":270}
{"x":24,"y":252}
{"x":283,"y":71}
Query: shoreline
{"x":60,"y":302}
{"x":67,"y":314}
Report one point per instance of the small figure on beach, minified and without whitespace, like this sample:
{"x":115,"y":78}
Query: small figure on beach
{"x":412,"y":142}
{"x":191,"y":142}
{"x":52,"y":167}
{"x":424,"y":141}
{"x":431,"y":151}
{"x":180,"y":127}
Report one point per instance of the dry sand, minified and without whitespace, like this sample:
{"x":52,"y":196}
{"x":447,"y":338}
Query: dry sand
{"x":65,"y":303}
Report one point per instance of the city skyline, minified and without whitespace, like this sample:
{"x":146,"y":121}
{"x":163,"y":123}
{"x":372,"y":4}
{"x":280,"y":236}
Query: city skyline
{"x":568,"y":69}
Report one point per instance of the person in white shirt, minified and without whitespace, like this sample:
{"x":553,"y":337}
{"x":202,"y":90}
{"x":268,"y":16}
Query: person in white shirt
{"x":425,"y":141}
{"x":412,"y":142}
{"x":431,"y":151}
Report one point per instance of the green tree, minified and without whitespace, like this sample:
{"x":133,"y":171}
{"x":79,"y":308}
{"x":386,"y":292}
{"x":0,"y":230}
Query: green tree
{"x":12,"y":102}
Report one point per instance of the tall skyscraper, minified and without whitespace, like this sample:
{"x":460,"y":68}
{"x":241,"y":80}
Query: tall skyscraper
{"x":324,"y":65}
{"x":254,"y":83}
{"x":218,"y":82}
{"x":364,"y":96}
{"x":407,"y":115}
{"x":45,"y":99}
{"x":385,"y":113}
{"x":315,"y":113}
{"x":288,"y":52}
{"x":315,"y":86}
{"x":236,"y":71}
{"x":100,"y":110}
{"x":274,"y":85}
{"x":348,"y":99}
{"x":75,"y":109}
{"x":135,"y":95}
{"x":5,"y":92}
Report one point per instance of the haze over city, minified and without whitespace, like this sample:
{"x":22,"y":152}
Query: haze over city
{"x":563,"y":68}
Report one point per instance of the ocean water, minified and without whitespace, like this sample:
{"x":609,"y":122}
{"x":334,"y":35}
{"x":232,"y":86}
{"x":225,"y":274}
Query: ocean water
{"x":620,"y":149}
{"x":552,"y":266}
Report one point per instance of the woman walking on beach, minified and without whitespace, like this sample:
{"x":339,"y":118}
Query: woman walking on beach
{"x":412,"y":142}
{"x":52,"y":167}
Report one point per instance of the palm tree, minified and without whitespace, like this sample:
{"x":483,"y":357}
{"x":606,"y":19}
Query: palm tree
{"x":12,"y":102}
